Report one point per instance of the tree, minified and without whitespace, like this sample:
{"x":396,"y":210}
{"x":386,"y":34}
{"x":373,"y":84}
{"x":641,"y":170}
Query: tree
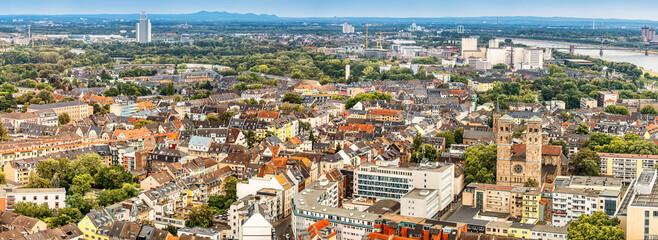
{"x":32,"y":209}
{"x":649,"y":110}
{"x":555,"y":71}
{"x":226,"y":116}
{"x":426,"y":151}
{"x":596,"y":226}
{"x":449,"y":138}
{"x":109,"y":197}
{"x":80,"y":202}
{"x":81,"y":184}
{"x":212,"y":118}
{"x":64,"y":119}
{"x":621,"y":110}
{"x":87,"y":164}
{"x":168,"y":90}
{"x":459,"y":136}
{"x":250,"y":135}
{"x":582,"y":129}
{"x":367,"y":97}
{"x":112,"y":92}
{"x":292,"y":98}
{"x":531,"y":183}
{"x":64,"y":216}
{"x":112,"y":177}
{"x":642,"y":147}
{"x":418,"y":141}
{"x":37,"y":182}
{"x":585,"y":163}
{"x":143,"y":122}
{"x":3,"y":177}
{"x":230,"y":188}
{"x":171,"y":229}
{"x":481,"y":163}
{"x":200,"y":216}
{"x":499,"y":66}
{"x":4,"y":136}
{"x":311,"y":137}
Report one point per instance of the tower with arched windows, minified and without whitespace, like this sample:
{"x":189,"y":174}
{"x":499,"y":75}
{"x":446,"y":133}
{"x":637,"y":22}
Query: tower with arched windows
{"x":531,"y":159}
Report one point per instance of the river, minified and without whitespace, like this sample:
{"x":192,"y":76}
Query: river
{"x":647,"y":62}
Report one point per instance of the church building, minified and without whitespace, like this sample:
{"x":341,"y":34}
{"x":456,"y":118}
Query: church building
{"x":530,"y":158}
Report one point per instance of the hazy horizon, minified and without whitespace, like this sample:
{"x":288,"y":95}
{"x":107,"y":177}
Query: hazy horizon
{"x":603,"y":9}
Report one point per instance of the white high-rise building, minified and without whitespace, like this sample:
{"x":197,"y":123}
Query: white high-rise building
{"x":143,"y":29}
{"x":493,"y":43}
{"x":533,"y":58}
{"x":497,"y":55}
{"x":469,"y":44}
{"x":348,"y":28}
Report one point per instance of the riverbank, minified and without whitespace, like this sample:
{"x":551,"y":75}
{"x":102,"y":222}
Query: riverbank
{"x":655,"y":52}
{"x":652,"y":73}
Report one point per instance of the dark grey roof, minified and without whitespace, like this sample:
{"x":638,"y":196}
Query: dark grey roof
{"x":55,"y":105}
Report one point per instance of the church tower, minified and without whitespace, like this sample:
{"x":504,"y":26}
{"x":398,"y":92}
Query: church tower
{"x":533,"y":142}
{"x":504,"y":137}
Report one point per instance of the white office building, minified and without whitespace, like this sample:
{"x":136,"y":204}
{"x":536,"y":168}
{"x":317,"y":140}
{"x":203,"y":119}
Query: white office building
{"x":383,"y":181}
{"x":422,"y":203}
{"x":143,"y":29}
{"x":320,"y":201}
{"x":54,"y":197}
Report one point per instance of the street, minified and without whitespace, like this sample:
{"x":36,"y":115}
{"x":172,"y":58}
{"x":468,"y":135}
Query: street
{"x":282,"y":227}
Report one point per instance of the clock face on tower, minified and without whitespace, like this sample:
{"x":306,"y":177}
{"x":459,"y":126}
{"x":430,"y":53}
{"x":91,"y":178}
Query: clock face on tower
{"x":518,"y":168}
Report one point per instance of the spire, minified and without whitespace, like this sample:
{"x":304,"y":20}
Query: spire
{"x":497,"y":105}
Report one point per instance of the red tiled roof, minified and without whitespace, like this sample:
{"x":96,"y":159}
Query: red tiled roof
{"x":384,"y":112}
{"x":551,"y":150}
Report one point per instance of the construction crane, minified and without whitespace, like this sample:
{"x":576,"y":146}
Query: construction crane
{"x":367,"y":26}
{"x":379,"y":42}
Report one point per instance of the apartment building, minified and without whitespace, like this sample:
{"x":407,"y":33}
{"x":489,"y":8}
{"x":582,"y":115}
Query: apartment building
{"x":53,"y":197}
{"x":384,"y":115}
{"x":588,"y":103}
{"x":495,"y":198}
{"x":607,"y":98}
{"x":626,"y":166}
{"x":124,"y":110}
{"x":76,"y":110}
{"x":570,"y":203}
{"x":530,"y":211}
{"x":638,"y":211}
{"x":241,"y":212}
{"x":19,"y":171}
{"x":383,"y":181}
{"x":320,"y":201}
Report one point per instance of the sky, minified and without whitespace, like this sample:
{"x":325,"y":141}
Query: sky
{"x":622,"y":9}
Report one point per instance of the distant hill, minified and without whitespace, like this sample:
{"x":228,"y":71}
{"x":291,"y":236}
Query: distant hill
{"x":191,"y":17}
{"x":205,"y":16}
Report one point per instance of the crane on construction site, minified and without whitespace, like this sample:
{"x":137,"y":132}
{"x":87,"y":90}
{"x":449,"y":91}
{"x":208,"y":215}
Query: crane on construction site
{"x":379,"y":42}
{"x":367,"y":26}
